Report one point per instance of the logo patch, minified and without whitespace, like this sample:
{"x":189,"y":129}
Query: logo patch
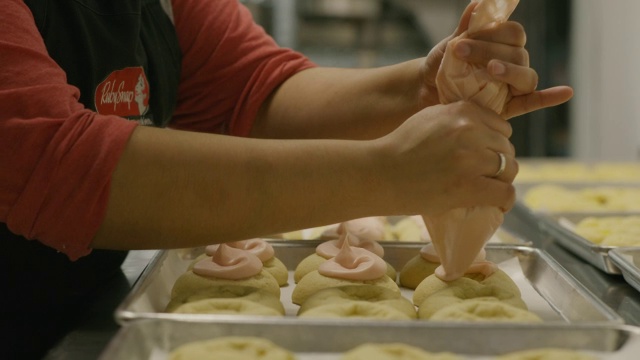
{"x":123,"y":93}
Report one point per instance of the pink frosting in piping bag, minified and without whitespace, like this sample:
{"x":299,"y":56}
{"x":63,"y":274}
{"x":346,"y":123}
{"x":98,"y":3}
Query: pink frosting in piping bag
{"x":259,"y":247}
{"x":229,"y":263}
{"x":479,"y":264}
{"x":460,"y":234}
{"x":353,"y":263}
{"x":331,"y":248}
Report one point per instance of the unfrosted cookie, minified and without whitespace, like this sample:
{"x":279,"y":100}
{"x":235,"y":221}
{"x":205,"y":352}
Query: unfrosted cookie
{"x":231,"y":348}
{"x":394,"y":351}
{"x":226,"y":307}
{"x":416,"y":270}
{"x":355,"y":309}
{"x":463,"y":289}
{"x":260,"y":296}
{"x":433,"y":284}
{"x":484,"y":311}
{"x":370,"y":293}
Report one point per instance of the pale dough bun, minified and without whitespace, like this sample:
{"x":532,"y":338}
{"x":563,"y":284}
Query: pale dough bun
{"x":432,"y":284}
{"x":394,"y":351}
{"x":546,"y":354}
{"x":226,"y":307}
{"x":313,"y":261}
{"x":370,"y":293}
{"x":277,"y":268}
{"x":314,"y":282}
{"x":463,"y":289}
{"x":273,"y":266}
{"x":355,"y":309}
{"x":416,"y":270}
{"x":189,"y":283}
{"x":484,"y":311}
{"x":260,"y":296}
{"x":231,"y":348}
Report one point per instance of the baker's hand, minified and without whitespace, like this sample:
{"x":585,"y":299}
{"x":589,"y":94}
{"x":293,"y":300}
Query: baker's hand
{"x":446,"y":157}
{"x":501,"y":50}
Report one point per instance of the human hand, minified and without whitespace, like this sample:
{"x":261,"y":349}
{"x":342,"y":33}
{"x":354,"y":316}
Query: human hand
{"x":445,"y":157}
{"x":501,"y":51}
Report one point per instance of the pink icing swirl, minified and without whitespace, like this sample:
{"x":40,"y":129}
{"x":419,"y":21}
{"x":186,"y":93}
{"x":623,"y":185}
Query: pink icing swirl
{"x":331,"y":248}
{"x":353,"y":263}
{"x":367,"y":228}
{"x":229,"y":263}
{"x":258,"y":247}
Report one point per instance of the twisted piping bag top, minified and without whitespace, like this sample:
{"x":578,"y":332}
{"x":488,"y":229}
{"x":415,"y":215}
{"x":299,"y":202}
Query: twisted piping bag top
{"x":459,"y":235}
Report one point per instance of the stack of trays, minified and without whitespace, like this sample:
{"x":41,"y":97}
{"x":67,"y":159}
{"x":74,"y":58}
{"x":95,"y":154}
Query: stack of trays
{"x":615,"y":185}
{"x":573,"y":317}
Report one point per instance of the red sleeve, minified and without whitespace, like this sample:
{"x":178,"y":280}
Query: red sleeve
{"x":229,"y":66}
{"x":57,"y":157}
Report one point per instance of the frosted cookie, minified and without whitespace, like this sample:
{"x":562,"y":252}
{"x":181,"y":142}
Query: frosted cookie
{"x":226,"y":307}
{"x":329,"y":249}
{"x":394,"y":351}
{"x":231,"y":348}
{"x":464,"y":289}
{"x":484,"y":311}
{"x":433,"y":284}
{"x":264,"y":251}
{"x":351,"y":266}
{"x":546,"y":354}
{"x":355,"y":309}
{"x":228,"y":266}
{"x":259,"y":296}
{"x":374,"y":228}
{"x":369,"y":293}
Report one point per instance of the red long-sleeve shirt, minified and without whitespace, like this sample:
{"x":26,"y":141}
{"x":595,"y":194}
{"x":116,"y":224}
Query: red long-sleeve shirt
{"x":57,"y":158}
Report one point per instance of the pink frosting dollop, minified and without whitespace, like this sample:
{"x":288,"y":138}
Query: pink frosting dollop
{"x":258,"y":247}
{"x":331,"y":248}
{"x":229,"y":263}
{"x":353,"y":263}
{"x":367,"y":228}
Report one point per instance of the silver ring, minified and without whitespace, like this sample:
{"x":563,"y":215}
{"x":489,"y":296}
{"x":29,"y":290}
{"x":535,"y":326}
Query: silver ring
{"x":503,"y":164}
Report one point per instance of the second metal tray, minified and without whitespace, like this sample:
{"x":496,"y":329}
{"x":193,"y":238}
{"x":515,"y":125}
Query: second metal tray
{"x":627,"y":259}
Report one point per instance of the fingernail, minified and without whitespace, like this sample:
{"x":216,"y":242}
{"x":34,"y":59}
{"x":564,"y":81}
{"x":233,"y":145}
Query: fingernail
{"x":498,"y":68}
{"x":463,"y":50}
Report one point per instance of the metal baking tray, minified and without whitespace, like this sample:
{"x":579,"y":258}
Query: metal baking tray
{"x":545,"y":279}
{"x":154,"y":339}
{"x":627,"y":259}
{"x":597,"y":255}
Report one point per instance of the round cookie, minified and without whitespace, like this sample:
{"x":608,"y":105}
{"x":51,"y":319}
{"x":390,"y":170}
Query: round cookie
{"x":416,"y":270}
{"x":189,"y":283}
{"x":226,"y":307}
{"x":484,"y":311}
{"x":546,"y":354}
{"x":231,"y":348}
{"x":394,"y":351}
{"x":463,"y":289}
{"x":370,"y":293}
{"x":313,"y":261}
{"x":278,"y":270}
{"x":433,"y":284}
{"x":355,"y":309}
{"x":314,"y":282}
{"x":260,"y":296}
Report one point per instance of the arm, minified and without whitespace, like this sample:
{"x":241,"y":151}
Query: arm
{"x":182,"y":189}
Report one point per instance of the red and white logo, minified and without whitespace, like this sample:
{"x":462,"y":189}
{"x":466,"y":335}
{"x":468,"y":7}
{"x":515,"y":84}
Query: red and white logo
{"x":124,"y":93}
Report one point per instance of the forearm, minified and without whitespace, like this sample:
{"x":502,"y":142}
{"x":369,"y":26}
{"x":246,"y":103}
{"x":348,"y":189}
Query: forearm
{"x":181,"y":189}
{"x":342,"y":103}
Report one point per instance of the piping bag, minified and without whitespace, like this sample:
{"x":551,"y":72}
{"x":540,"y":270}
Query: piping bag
{"x":459,"y":235}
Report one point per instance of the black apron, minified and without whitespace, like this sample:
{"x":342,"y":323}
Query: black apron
{"x":124,"y":57}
